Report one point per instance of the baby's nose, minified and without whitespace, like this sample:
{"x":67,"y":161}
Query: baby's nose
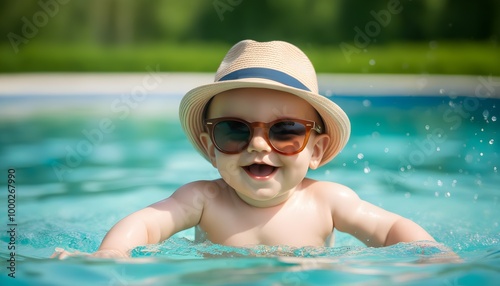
{"x":258,"y":142}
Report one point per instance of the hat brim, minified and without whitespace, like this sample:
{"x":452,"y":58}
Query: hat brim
{"x":192,"y":108}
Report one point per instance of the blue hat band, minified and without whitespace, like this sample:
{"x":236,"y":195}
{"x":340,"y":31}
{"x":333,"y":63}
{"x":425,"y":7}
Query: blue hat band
{"x":265,"y":73}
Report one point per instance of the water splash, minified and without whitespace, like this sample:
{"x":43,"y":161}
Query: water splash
{"x":367,"y":170}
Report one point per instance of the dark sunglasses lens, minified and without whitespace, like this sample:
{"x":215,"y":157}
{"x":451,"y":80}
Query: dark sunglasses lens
{"x":231,"y":136}
{"x":287,"y":136}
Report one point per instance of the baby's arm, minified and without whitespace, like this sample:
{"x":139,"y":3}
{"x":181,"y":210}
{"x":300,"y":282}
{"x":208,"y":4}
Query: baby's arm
{"x":372,"y":225}
{"x":157,"y":222}
{"x":154,"y":223}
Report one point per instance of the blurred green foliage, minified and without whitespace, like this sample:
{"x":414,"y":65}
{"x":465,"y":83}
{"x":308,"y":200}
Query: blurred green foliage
{"x":390,"y":36}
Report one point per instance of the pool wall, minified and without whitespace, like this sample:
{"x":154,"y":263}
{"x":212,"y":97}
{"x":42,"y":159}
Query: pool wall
{"x":159,"y":83}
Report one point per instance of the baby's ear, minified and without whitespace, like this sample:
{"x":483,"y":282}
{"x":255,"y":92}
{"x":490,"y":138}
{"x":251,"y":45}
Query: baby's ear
{"x":320,"y":144}
{"x":209,"y":147}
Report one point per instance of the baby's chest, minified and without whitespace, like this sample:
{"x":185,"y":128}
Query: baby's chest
{"x":296,"y":228}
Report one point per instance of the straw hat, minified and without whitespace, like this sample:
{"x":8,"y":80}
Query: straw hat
{"x":273,"y":65}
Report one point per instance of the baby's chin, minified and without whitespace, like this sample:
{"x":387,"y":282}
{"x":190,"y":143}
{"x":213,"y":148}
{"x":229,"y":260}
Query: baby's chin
{"x":262,"y":197}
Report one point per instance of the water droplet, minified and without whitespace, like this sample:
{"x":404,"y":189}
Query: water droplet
{"x":427,"y":127}
{"x":386,"y":150}
{"x":486,"y":113}
{"x":493,"y":118}
{"x":360,"y":156}
{"x":438,"y":149}
{"x":481,"y":154}
{"x":495,"y":169}
{"x":441,"y":91}
{"x":402,"y":169}
{"x":469,"y":158}
{"x":367,"y":103}
{"x":344,"y":164}
{"x":436,"y":194}
{"x":407,"y":195}
{"x":440,"y":183}
{"x":479,"y":182}
{"x":491,"y":141}
{"x":372,"y":62}
{"x":377,"y":124}
{"x":447,"y":194}
{"x":366,"y":170}
{"x":454,"y":183}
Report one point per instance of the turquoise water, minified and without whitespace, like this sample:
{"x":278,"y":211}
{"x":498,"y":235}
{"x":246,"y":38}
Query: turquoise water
{"x":83,"y":163}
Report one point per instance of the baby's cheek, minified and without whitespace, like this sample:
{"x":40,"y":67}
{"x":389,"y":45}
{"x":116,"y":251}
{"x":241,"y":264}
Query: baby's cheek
{"x":228,"y":169}
{"x":295,"y":169}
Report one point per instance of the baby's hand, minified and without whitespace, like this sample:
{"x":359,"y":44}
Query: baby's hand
{"x":60,"y":253}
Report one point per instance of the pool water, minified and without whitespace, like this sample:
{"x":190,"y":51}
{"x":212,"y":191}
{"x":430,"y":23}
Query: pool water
{"x":82,"y":163}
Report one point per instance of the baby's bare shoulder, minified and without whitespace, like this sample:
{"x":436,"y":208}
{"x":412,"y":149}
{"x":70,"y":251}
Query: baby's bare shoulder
{"x":327,"y":186}
{"x":339,"y":199}
{"x":204,"y":188}
{"x":193,"y":196}
{"x":331,"y":190}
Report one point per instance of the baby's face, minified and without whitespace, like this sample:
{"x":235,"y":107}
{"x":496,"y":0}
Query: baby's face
{"x":259,"y":174}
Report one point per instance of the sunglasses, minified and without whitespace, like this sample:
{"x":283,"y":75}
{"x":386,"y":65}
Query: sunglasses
{"x":285,"y":136}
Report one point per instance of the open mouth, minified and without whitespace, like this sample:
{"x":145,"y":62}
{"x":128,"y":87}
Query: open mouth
{"x":260,"y":170}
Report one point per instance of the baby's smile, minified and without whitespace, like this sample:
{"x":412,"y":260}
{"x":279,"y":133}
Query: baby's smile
{"x":260,"y":171}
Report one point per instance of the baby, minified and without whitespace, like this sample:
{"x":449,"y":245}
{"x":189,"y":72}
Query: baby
{"x":262,"y":124}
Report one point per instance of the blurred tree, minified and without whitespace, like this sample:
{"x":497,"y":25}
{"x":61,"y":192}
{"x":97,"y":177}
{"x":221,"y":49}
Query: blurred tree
{"x":470,"y":20}
{"x":412,"y":21}
{"x":12,"y":13}
{"x":315,"y":22}
{"x":176,"y":18}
